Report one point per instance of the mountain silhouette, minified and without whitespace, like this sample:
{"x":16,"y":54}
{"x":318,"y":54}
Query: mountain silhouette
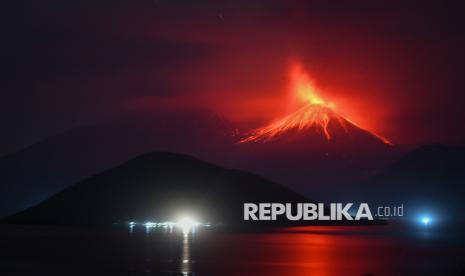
{"x":317,"y":145}
{"x":429,"y":177}
{"x":158,"y":187}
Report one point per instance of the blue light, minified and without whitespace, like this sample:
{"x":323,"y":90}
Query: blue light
{"x":425,"y":220}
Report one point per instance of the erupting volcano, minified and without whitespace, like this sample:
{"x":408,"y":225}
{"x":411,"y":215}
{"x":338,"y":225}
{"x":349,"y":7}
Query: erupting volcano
{"x":316,"y":119}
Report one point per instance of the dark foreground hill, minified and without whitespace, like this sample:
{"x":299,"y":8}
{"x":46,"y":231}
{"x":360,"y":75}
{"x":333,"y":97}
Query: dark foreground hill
{"x":158,"y":187}
{"x":33,"y":174}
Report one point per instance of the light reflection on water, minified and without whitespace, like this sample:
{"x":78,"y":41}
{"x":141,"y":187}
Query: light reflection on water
{"x":293,"y":251}
{"x":298,"y":251}
{"x":186,"y":259}
{"x":167,"y":250}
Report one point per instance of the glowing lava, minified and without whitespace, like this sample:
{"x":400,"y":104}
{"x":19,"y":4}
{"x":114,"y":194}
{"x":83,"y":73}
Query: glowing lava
{"x":317,"y":114}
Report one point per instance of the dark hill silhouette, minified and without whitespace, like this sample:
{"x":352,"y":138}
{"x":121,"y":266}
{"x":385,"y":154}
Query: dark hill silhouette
{"x":157,"y":186}
{"x":35,"y":173}
{"x":429,"y":177}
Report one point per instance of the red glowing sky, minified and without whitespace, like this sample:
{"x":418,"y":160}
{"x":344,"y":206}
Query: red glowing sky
{"x":394,"y":69}
{"x":373,"y":75}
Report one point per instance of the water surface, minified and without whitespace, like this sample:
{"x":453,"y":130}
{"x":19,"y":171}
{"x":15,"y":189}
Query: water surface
{"x":33,"y":250}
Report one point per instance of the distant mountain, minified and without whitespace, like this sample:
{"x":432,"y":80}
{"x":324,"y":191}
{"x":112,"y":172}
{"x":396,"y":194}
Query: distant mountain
{"x":430,"y":177}
{"x":157,"y":186}
{"x":316,"y":145}
{"x":35,"y":173}
{"x":316,"y":125}
{"x":431,"y":162}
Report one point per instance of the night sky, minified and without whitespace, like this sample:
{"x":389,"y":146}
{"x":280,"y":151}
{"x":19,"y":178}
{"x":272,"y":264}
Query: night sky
{"x":394,"y":67}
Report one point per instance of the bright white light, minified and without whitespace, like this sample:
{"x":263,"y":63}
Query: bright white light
{"x":187,"y":224}
{"x":150,"y":224}
{"x":166,"y":224}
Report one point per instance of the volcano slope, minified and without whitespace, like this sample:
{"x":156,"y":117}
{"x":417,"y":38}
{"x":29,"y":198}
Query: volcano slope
{"x":316,"y":126}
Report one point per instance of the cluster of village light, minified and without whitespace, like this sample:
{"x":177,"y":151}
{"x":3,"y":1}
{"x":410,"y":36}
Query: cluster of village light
{"x":185,"y":224}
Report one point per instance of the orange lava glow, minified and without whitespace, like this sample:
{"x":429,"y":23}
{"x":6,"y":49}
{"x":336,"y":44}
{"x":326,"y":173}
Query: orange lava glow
{"x":304,"y":87}
{"x":316,"y":112}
